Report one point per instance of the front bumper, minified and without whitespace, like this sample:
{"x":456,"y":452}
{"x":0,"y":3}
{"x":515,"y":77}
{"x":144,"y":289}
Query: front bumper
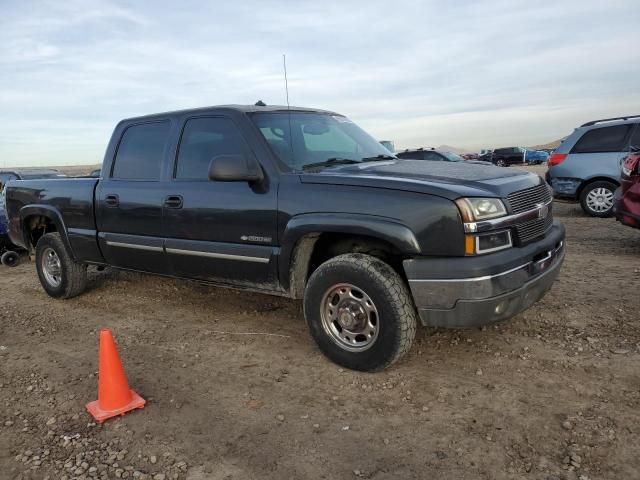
{"x":473,"y":291}
{"x":564,"y":188}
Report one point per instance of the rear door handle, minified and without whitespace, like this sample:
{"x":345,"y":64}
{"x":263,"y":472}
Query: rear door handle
{"x":111,"y":200}
{"x":173,"y":201}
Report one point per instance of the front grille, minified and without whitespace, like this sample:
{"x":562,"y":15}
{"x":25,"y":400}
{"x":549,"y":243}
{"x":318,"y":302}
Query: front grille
{"x":531,"y":229}
{"x":529,"y":198}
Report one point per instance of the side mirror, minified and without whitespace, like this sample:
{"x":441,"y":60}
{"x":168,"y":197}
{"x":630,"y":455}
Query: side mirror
{"x":235,"y":168}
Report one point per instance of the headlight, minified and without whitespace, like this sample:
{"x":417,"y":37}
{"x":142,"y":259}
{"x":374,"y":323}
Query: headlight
{"x":474,"y":209}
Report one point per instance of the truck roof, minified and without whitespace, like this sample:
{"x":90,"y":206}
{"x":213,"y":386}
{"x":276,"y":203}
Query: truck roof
{"x":238,"y":108}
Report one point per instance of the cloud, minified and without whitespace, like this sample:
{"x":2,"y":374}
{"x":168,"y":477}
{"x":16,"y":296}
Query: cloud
{"x":470,"y":74}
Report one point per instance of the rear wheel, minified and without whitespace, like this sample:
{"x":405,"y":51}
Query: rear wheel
{"x":359,"y":312}
{"x":10,"y":259}
{"x":60,"y":275}
{"x":596,"y":198}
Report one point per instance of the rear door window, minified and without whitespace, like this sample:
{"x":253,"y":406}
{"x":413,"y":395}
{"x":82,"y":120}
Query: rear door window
{"x":141,"y":152}
{"x":605,"y":139}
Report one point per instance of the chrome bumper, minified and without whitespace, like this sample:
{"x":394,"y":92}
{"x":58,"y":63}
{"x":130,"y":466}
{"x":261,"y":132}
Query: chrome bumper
{"x":474,"y":301}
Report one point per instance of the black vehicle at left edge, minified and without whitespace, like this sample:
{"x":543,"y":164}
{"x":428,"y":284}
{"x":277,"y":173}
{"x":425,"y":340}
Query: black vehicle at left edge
{"x":300,"y":203}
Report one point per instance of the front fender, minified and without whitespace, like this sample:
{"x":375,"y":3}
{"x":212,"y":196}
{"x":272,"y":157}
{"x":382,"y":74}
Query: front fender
{"x":397,"y":234}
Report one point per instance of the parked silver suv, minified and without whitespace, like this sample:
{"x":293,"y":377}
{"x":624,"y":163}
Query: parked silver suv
{"x":586,"y":165}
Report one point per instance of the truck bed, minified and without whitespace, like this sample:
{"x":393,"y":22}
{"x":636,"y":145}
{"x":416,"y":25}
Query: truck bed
{"x":68,"y":198}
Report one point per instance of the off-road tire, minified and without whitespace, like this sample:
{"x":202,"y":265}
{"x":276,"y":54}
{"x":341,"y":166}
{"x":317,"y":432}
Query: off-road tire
{"x":397,"y":314}
{"x":73,"y":274}
{"x":585,"y":193}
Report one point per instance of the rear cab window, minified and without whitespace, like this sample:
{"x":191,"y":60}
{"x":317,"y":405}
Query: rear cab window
{"x":141,"y":152}
{"x":603,"y":139}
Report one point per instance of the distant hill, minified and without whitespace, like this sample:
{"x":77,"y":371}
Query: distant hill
{"x":551,"y":145}
{"x":449,"y":148}
{"x":70,"y":170}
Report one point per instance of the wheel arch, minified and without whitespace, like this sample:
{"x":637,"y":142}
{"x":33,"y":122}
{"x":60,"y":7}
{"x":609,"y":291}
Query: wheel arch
{"x":310,"y":238}
{"x":597,"y":178}
{"x":36,"y":220}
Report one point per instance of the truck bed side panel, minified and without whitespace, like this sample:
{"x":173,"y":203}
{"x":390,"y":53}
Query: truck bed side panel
{"x":67,"y":202}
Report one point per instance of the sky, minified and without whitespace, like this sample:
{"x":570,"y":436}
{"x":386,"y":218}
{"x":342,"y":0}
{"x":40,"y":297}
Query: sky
{"x":471,"y":74}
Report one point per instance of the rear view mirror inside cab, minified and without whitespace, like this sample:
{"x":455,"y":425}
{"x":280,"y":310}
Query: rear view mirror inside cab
{"x":315,"y":128}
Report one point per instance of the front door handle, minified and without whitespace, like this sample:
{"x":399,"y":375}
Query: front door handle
{"x":173,"y":201}
{"x":111,"y":201}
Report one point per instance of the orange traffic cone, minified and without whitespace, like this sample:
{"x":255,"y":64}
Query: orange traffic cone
{"x":114,"y":396}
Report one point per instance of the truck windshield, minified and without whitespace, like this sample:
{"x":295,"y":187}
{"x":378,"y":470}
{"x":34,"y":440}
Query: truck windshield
{"x":302,"y":139}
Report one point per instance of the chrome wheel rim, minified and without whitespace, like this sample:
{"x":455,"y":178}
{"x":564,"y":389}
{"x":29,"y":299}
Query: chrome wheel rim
{"x":500,"y":163}
{"x":349,"y":317}
{"x":51,"y":267}
{"x":600,"y":200}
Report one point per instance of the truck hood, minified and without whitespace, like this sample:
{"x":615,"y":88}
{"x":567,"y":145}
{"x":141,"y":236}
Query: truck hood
{"x":446,"y":179}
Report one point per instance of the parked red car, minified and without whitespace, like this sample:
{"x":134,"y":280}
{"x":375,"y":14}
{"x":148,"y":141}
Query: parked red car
{"x":627,"y":198}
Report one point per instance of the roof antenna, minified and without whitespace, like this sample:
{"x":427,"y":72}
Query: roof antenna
{"x":286,"y":89}
{"x":286,"y":83}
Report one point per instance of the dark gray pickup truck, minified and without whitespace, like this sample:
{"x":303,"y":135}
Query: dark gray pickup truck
{"x":301,"y":203}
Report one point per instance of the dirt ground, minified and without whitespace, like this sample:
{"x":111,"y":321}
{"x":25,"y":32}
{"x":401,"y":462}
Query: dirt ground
{"x":237,"y":390}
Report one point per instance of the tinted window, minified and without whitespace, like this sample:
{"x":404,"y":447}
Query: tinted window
{"x":432,"y":156}
{"x":410,"y":155}
{"x":5,"y":177}
{"x":452,"y":157}
{"x":203,"y":139}
{"x":500,"y":151}
{"x":141,"y":152}
{"x":605,"y":139}
{"x":635,"y":137}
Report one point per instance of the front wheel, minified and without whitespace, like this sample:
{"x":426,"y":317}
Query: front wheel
{"x":596,"y":198}
{"x":360,"y":312}
{"x":60,"y":275}
{"x":501,"y":163}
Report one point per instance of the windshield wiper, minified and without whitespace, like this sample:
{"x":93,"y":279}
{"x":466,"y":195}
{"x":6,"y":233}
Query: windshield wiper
{"x":330,"y":161}
{"x":378,"y":157}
